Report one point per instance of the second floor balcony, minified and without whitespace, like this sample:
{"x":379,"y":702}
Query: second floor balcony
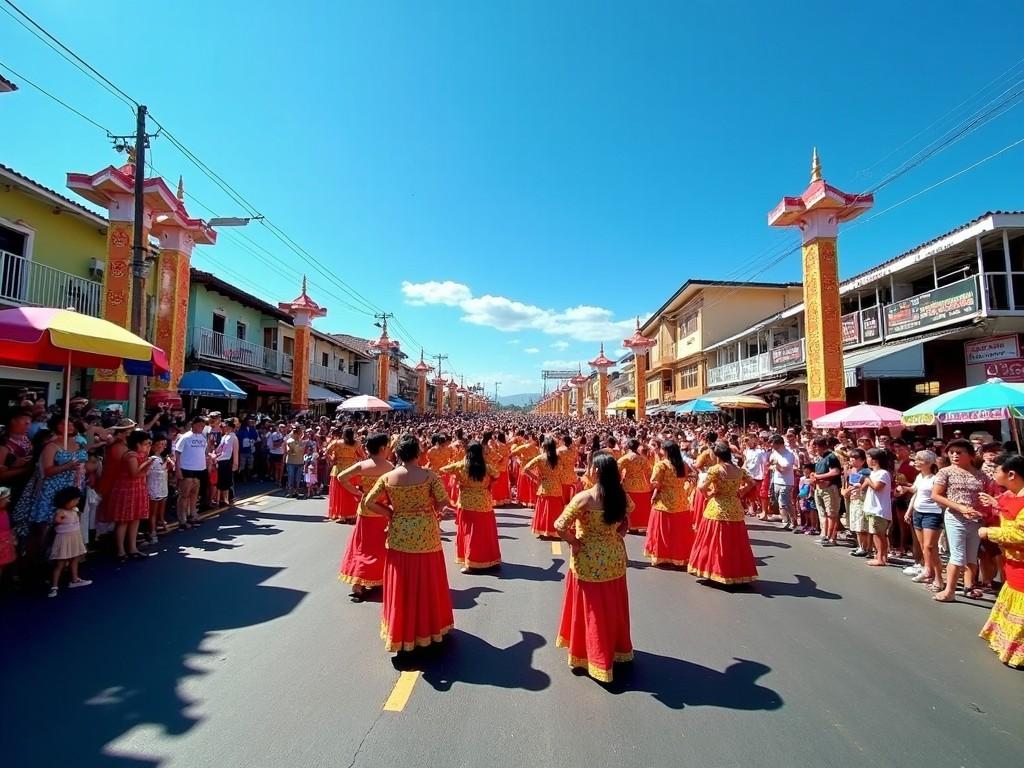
{"x":24,"y":282}
{"x":327,"y":375}
{"x":211,"y":345}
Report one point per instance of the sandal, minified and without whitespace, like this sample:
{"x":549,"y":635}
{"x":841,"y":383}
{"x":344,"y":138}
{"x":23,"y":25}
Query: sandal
{"x":938,"y":599}
{"x":935,"y":588}
{"x":974,"y":593}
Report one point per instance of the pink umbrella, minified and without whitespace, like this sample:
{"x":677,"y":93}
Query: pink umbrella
{"x":861,"y":416}
{"x":364,"y":403}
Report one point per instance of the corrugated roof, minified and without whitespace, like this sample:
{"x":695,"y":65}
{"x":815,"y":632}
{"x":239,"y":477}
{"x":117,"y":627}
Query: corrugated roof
{"x":73,"y":206}
{"x":215,"y":283}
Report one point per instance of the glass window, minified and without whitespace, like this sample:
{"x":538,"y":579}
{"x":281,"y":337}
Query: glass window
{"x":992,"y":259}
{"x":998,"y":296}
{"x":325,"y":359}
{"x":688,"y":377}
{"x":240,"y":330}
{"x":927,"y":388}
{"x":1017,"y":254}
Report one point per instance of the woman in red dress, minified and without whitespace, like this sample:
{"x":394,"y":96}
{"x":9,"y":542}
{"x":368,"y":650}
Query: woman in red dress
{"x":670,"y":529}
{"x":636,"y":479}
{"x":112,"y":456}
{"x":342,"y":453}
{"x":546,"y":471}
{"x":704,"y":461}
{"x":129,"y":500}
{"x":595,"y":612}
{"x":476,"y":535}
{"x":363,"y":563}
{"x":497,"y":453}
{"x":526,"y":486}
{"x":417,"y":604}
{"x":721,"y":549}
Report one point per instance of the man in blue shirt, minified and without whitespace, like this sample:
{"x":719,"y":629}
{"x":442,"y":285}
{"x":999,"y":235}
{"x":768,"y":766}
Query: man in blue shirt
{"x":247,"y":437}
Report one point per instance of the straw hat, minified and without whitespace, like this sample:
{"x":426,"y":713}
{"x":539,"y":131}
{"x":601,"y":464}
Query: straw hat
{"x":124,"y":424}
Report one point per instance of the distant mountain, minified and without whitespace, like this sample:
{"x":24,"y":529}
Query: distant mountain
{"x":518,"y":400}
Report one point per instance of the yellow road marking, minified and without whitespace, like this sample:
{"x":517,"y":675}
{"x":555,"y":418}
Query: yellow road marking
{"x":401,"y":692}
{"x":556,"y":547}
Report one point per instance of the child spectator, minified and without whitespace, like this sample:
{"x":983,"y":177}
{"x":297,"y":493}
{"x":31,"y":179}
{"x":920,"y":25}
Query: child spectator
{"x":67,"y":545}
{"x":156,"y":487}
{"x":805,"y":497}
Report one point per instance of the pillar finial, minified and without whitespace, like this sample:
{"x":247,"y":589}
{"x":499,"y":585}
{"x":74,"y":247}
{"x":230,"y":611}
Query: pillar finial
{"x":815,"y":166}
{"x":181,"y":188}
{"x":303,"y":285}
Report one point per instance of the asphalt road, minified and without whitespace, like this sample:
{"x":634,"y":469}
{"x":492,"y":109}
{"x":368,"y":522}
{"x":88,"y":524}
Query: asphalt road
{"x":235,"y":645}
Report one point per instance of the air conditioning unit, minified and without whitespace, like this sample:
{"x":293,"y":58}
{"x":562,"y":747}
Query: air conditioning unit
{"x":97,"y":267}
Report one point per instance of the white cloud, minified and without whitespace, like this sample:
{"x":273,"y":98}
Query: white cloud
{"x":560,"y":345}
{"x":513,"y":341}
{"x":581,"y":323}
{"x":449,"y":293}
{"x":531,"y":350}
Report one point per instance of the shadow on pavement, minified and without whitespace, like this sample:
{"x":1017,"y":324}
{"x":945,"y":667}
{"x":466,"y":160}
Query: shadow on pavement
{"x":805,"y":586}
{"x":94,"y":664}
{"x":513,"y":514}
{"x":466,"y":658}
{"x":768,"y":543}
{"x":679,"y":684}
{"x":531,"y":572}
{"x":222,"y":532}
{"x":467,"y":598}
{"x":257,"y":513}
{"x":513,"y":525}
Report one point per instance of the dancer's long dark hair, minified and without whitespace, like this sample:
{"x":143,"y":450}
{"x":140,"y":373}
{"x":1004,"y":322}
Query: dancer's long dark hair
{"x":349,"y":436}
{"x":675,"y":457}
{"x":476,"y":467}
{"x":609,"y":484}
{"x":551,"y":451}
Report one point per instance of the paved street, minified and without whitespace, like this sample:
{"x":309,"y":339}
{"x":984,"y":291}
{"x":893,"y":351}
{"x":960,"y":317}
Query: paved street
{"x":235,"y":645}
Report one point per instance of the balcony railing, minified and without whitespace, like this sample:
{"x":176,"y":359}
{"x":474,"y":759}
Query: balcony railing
{"x":27,"y":283}
{"x":328,"y":375}
{"x":213,"y":345}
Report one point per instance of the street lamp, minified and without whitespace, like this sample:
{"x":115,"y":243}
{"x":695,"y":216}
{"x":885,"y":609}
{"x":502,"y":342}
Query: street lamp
{"x":233,"y":221}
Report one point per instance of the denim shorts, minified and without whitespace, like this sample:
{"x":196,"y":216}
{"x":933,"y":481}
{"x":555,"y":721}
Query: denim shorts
{"x":928,"y":521}
{"x":963,"y":539}
{"x":294,"y":474}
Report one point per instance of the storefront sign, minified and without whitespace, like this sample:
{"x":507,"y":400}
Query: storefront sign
{"x":991,"y":350}
{"x":870,"y":330}
{"x":936,"y":307}
{"x":788,"y":354}
{"x":1007,"y":370}
{"x":851,"y":328}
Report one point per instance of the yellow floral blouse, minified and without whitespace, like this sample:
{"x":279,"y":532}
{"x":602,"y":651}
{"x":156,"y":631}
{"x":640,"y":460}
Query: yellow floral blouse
{"x":550,"y":478}
{"x":413,"y":526}
{"x":601,"y":555}
{"x":474,"y":495}
{"x":567,"y":464}
{"x":497,"y":455}
{"x":674,"y":492}
{"x":723,"y":495}
{"x":636,"y":473}
{"x":438,"y":456}
{"x":525,"y":451}
{"x":342,"y":456}
{"x":1009,"y":534}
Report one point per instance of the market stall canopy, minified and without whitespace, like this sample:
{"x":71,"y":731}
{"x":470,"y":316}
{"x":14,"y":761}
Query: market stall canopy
{"x":399,"y":404}
{"x":365,"y":403}
{"x":739,"y":401}
{"x":991,"y":401}
{"x":697,"y":406}
{"x":209,"y":384}
{"x":623,"y":404}
{"x":264,"y":384}
{"x":861,"y":416}
{"x":323,"y":395}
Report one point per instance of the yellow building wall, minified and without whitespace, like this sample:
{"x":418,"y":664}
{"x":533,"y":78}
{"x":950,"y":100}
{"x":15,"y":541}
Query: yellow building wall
{"x":727,"y":311}
{"x":60,"y":240}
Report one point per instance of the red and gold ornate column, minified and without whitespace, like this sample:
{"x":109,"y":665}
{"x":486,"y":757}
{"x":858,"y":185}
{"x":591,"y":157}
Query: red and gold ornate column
{"x":817,"y":213}
{"x":579,"y":382}
{"x":639,"y":344}
{"x":422,"y":369}
{"x":384,"y":348}
{"x":601,"y":364}
{"x":453,"y":389}
{"x":303,"y":310}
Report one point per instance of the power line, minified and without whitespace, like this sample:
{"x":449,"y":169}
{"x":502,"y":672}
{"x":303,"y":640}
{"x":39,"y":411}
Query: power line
{"x":22,"y":78}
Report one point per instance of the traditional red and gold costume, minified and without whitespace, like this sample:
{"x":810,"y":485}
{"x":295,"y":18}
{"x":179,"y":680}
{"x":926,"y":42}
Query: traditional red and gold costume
{"x":526,"y":487}
{"x":476,"y":530}
{"x":670,"y":528}
{"x":1004,"y":629}
{"x":550,"y":501}
{"x":497,"y":455}
{"x":721,"y":549}
{"x":342,"y":505}
{"x":417,"y":604}
{"x":595,"y":612}
{"x":636,"y":480}
{"x":363,"y":562}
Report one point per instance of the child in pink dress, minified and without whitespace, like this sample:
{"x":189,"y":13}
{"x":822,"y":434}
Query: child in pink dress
{"x":68,"y":545}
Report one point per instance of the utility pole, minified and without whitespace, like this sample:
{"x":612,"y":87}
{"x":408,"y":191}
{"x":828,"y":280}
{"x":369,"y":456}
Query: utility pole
{"x":439,"y":358}
{"x":139,"y":246}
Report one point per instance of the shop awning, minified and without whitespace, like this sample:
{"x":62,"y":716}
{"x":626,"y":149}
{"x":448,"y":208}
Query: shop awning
{"x":209,"y":384}
{"x":902,"y":360}
{"x":789,"y":382}
{"x":264,"y":384}
{"x":626,"y":403}
{"x":399,"y":404}
{"x":324,"y":395}
{"x":739,"y":389}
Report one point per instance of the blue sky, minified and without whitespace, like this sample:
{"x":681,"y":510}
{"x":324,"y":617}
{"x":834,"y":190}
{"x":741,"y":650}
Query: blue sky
{"x":518,"y":180}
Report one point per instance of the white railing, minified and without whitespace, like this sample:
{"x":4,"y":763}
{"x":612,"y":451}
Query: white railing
{"x":723,"y":374}
{"x":210,"y":344}
{"x":25,"y":282}
{"x":328,"y":375}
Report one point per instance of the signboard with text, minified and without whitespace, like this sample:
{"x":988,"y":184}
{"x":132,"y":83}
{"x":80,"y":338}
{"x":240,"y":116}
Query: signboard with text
{"x":936,"y":307}
{"x":788,"y":354}
{"x":870,"y":329}
{"x":981,"y":351}
{"x":1007,"y":370}
{"x":851,"y":328}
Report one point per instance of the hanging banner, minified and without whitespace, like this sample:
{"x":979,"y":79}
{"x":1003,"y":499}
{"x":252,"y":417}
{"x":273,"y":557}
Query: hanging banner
{"x":937,"y":307}
{"x":1007,"y":370}
{"x":870,"y":328}
{"x":851,"y":328}
{"x":991,"y":350}
{"x":788,"y":354}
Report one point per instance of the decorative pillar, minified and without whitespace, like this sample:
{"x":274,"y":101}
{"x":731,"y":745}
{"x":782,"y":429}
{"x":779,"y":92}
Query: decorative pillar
{"x":601,"y":364}
{"x":453,"y":402}
{"x":579,"y":381}
{"x":439,"y":384}
{"x":303,"y":310}
{"x":817,"y":213}
{"x":422,"y":369}
{"x":639,"y":344}
{"x":564,"y":399}
{"x":178,"y":234}
{"x":384,"y":348}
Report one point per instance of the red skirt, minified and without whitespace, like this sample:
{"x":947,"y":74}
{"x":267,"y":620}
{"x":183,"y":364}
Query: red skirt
{"x":545,"y":513}
{"x":513,"y":471}
{"x":501,"y":491}
{"x":568,"y":491}
{"x":638,"y":518}
{"x":129,"y":500}
{"x":476,"y":539}
{"x":699,"y":502}
{"x":451,"y":485}
{"x":341,"y":504}
{"x":669,"y":537}
{"x":526,"y":490}
{"x":721,"y":552}
{"x":363,"y":563}
{"x":595,"y":625}
{"x":417,"y":603}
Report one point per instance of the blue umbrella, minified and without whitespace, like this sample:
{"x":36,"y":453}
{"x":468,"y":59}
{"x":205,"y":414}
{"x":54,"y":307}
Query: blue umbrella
{"x":995,"y":399}
{"x":208,"y":384}
{"x":698,"y":406}
{"x":398,"y":404}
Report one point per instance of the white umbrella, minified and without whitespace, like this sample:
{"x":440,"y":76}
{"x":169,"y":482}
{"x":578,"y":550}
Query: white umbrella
{"x":364,"y":403}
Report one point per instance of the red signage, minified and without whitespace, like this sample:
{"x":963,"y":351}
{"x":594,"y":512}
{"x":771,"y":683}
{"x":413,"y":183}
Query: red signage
{"x":1007,"y":370}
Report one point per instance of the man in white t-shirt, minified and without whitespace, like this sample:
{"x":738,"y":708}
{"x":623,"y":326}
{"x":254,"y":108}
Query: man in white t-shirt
{"x":755,"y":462}
{"x":275,"y":451}
{"x":782,"y":462}
{"x":190,"y":454}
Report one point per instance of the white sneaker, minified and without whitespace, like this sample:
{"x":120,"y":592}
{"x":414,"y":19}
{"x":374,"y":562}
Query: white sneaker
{"x":79,"y":583}
{"x":53,"y":592}
{"x":913,"y":570}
